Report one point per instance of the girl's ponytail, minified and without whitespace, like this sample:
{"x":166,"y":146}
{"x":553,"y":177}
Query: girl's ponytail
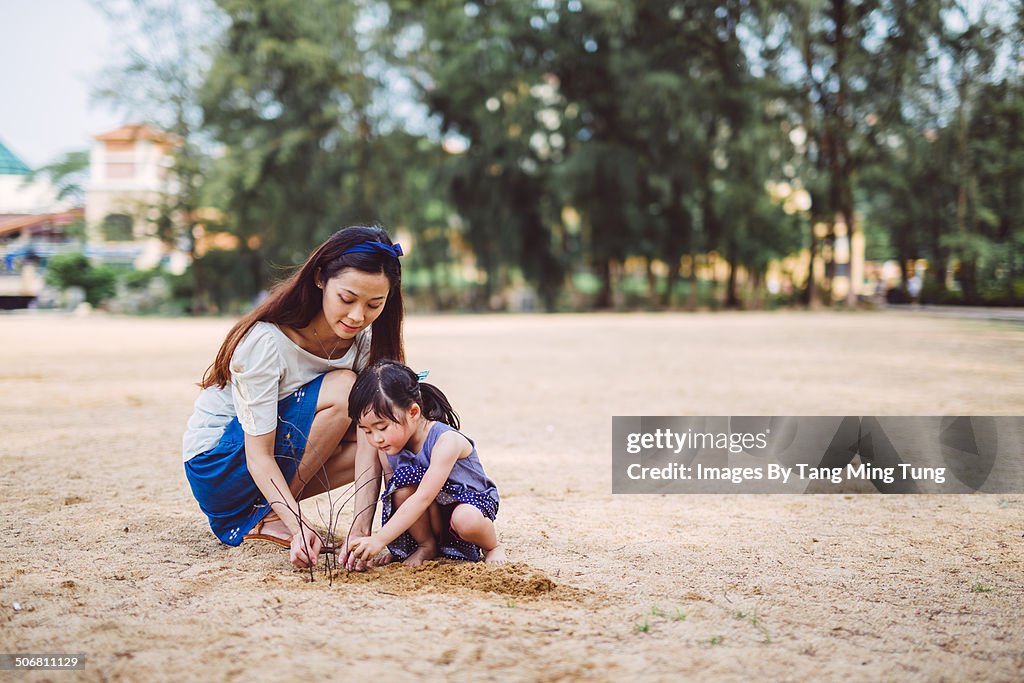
{"x":436,"y":406}
{"x":387,"y":385}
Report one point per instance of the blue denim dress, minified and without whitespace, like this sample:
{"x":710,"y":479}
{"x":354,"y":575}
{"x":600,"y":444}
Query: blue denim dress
{"x":220,"y":479}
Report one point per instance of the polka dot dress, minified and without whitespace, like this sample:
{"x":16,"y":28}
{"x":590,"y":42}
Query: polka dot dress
{"x":451,"y":494}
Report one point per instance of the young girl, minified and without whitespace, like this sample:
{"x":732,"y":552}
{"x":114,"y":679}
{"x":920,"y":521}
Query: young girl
{"x":438,"y":501}
{"x":271,"y":425}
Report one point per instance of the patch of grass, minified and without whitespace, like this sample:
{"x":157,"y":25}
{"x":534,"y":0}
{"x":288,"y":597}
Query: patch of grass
{"x":510,"y":603}
{"x":755,"y":620}
{"x":981,"y":588}
{"x":716,"y":640}
{"x":657,"y":615}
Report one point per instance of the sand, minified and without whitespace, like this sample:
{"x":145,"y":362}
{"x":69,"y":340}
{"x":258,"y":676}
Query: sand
{"x":106,"y":553}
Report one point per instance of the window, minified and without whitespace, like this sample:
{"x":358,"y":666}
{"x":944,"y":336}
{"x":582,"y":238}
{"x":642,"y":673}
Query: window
{"x":120,"y":169}
{"x":117,"y":227}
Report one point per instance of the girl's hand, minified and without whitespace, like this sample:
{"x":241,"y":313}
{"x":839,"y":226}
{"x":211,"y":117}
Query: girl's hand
{"x":349,"y":561}
{"x":305,"y":548}
{"x":366,"y":547}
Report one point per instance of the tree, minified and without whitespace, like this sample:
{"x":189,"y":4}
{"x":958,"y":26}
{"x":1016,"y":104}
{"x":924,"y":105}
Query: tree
{"x":166,"y":51}
{"x":482,"y":69}
{"x":858,"y":58}
{"x":288,"y":96}
{"x":67,"y":175}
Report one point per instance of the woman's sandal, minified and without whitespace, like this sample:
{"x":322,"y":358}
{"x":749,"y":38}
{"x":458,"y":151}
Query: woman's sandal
{"x":257,"y":535}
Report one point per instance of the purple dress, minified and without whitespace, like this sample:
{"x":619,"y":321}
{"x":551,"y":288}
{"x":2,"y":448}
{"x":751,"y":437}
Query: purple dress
{"x":467,"y":483}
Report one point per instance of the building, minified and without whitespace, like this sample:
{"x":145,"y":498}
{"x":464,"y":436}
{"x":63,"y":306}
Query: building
{"x":18,"y":195}
{"x":129,"y":182}
{"x":130,"y":176}
{"x":34,"y":225}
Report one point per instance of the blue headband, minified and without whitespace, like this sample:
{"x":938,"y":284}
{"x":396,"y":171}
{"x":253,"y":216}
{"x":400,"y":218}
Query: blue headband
{"x":371,"y":247}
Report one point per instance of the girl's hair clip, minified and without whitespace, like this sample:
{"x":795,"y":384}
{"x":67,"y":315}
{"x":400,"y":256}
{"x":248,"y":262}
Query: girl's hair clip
{"x":420,"y":376}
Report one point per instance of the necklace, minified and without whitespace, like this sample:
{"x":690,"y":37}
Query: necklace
{"x":329,"y":356}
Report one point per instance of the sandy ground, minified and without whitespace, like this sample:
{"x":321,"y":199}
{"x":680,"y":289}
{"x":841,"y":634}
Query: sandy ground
{"x":106,"y":553}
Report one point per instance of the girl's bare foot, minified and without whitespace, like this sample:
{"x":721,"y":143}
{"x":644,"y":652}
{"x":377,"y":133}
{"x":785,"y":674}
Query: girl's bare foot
{"x":382,"y":559}
{"x":421,"y":555}
{"x":496,"y":556}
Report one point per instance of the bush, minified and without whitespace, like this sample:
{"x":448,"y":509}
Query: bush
{"x":75,"y":270}
{"x":140,"y":279}
{"x":181,"y":293}
{"x":227,"y":278}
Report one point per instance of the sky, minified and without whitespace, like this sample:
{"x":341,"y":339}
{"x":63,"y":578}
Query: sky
{"x":50,"y":54}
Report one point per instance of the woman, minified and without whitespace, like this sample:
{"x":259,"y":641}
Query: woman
{"x":271,"y":425}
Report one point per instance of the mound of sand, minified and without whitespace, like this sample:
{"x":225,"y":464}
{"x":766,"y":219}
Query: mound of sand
{"x":517,"y":579}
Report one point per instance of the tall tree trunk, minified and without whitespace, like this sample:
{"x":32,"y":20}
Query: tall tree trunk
{"x":757,"y":293}
{"x":941,"y":255}
{"x":692,"y":299}
{"x":810,"y":295}
{"x":678,"y":238}
{"x":967,"y":264}
{"x":731,"y":300}
{"x":652,"y":281}
{"x":844,"y":162}
{"x":670,"y":286}
{"x":604,"y":295}
{"x":1011,"y":256}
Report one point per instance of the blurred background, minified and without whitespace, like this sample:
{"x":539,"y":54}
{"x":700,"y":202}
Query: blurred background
{"x":530,"y":155}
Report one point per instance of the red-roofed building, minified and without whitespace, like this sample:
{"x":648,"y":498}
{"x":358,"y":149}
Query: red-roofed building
{"x":33,"y":226}
{"x":130,"y":173}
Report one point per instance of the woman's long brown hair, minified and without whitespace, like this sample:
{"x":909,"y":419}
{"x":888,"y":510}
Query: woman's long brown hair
{"x":297,"y":300}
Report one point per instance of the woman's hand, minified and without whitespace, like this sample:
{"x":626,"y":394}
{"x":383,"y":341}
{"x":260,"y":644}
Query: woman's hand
{"x":366,"y":548}
{"x":305,"y":548}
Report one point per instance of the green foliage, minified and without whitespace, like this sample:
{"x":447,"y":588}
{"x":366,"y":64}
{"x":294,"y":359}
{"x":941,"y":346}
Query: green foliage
{"x":288,"y":94}
{"x":226,"y":280}
{"x":183,"y":293}
{"x":67,"y":174}
{"x":140,"y":279}
{"x":75,"y":270}
{"x":934,"y":292}
{"x":556,"y":142}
